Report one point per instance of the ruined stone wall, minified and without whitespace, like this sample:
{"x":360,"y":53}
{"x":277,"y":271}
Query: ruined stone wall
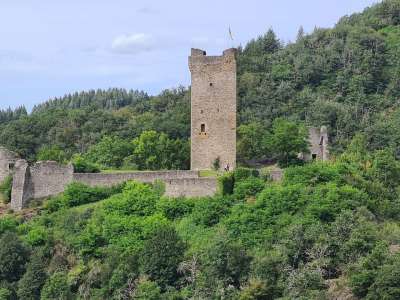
{"x":7,"y":162}
{"x":110,"y":179}
{"x":22,"y":187}
{"x":49,"y":178}
{"x":319,"y":142}
{"x":213,"y":109}
{"x":45,"y":179}
{"x":191,"y":187}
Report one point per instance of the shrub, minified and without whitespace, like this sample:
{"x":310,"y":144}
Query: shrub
{"x":78,"y":193}
{"x":56,"y":287}
{"x":208,"y":211}
{"x":31,"y":283}
{"x":226,"y":184}
{"x":175,"y":208}
{"x":6,"y":188}
{"x":7,"y":224}
{"x":13,"y":256}
{"x":37,"y":236}
{"x":81,"y":165}
{"x":244,"y":173}
{"x":137,"y":198}
{"x":161,"y":256}
{"x":217,"y":164}
{"x":249,"y":187}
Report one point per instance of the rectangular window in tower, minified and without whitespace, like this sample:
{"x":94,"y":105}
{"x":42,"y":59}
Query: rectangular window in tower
{"x":203,"y":128}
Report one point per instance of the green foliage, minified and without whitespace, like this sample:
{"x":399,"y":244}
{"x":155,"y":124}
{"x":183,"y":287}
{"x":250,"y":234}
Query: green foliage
{"x":147,"y":290}
{"x":110,"y":152}
{"x":7,"y":224}
{"x":56,"y":287}
{"x":250,"y":141}
{"x":226,"y":183}
{"x":161,"y":256}
{"x":6,"y":188}
{"x":31,"y":283}
{"x":81,"y":165}
{"x":287,"y":140}
{"x":54,"y":153}
{"x":78,"y":193}
{"x":137,"y":198}
{"x":244,"y":173}
{"x":248,"y":188}
{"x":13,"y":256}
{"x":216,"y":164}
{"x":155,"y":151}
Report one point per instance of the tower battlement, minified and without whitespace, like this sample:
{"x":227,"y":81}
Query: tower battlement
{"x":213,"y":109}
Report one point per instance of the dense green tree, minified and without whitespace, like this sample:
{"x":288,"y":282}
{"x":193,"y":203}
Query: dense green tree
{"x":161,"y":256}
{"x":13,"y":257}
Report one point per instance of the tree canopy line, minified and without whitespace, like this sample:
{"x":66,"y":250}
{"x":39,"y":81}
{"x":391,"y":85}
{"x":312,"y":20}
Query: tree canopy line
{"x":328,"y":230}
{"x":346,"y":78}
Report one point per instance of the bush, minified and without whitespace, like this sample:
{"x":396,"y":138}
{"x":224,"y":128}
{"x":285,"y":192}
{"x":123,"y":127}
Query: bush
{"x":37,"y":236}
{"x":6,"y":188}
{"x":13,"y":256}
{"x":161,"y":256}
{"x":244,"y":173}
{"x":81,"y":165}
{"x":7,"y":224}
{"x":56,"y":287}
{"x":31,"y":283}
{"x":247,"y":188}
{"x":136,"y":199}
{"x":175,"y":208}
{"x":78,"y":193}
{"x":208,"y":211}
{"x":226,"y":184}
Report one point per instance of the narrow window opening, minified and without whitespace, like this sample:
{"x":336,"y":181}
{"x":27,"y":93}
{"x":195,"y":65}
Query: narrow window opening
{"x":217,"y":109}
{"x":211,"y":84}
{"x":314,"y":156}
{"x":203,"y":128}
{"x":201,"y":111}
{"x":11,"y":166}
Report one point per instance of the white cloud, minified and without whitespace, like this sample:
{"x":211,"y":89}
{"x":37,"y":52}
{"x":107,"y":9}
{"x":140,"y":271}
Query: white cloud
{"x":133,"y":44}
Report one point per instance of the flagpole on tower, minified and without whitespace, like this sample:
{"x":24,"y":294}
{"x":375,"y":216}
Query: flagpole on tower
{"x":231,"y":36}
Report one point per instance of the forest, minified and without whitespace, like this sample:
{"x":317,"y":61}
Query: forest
{"x":328,"y":230}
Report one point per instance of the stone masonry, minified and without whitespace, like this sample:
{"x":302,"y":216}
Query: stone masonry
{"x":318,"y":139}
{"x":7,"y":162}
{"x":213,"y":109}
{"x":48,"y":178}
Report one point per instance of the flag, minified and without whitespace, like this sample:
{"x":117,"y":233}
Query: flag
{"x":230,"y":33}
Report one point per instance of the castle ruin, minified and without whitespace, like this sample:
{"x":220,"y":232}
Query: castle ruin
{"x":213,"y":110}
{"x":213,"y":139}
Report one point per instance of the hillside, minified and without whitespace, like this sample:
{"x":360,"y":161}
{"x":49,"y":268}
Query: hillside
{"x":328,"y":230}
{"x":345,"y":78}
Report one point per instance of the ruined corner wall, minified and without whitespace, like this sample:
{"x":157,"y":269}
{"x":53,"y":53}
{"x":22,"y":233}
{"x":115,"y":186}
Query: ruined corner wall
{"x":21,"y":189}
{"x":213,"y":109}
{"x":7,"y":162}
{"x":319,"y":142}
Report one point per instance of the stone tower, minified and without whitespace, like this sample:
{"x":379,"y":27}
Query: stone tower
{"x":213,"y":109}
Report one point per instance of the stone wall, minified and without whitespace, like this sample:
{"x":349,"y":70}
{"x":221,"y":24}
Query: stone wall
{"x":319,"y":142}
{"x":45,"y":179}
{"x":7,"y":162}
{"x":213,"y":109}
{"x":191,"y":187}
{"x":22,"y":187}
{"x":110,"y":179}
{"x":49,"y":178}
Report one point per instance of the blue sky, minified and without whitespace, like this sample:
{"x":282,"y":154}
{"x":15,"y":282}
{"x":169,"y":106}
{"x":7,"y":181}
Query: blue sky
{"x":49,"y":48}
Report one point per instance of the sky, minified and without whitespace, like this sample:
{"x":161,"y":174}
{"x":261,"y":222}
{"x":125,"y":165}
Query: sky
{"x":50,"y":48}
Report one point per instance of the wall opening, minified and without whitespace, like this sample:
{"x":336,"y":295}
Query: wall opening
{"x":11,"y":166}
{"x":211,"y":84}
{"x":314,"y":156}
{"x":203,"y":128}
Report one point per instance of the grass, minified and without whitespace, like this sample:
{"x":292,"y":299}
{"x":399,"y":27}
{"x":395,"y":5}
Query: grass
{"x":210,"y":173}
